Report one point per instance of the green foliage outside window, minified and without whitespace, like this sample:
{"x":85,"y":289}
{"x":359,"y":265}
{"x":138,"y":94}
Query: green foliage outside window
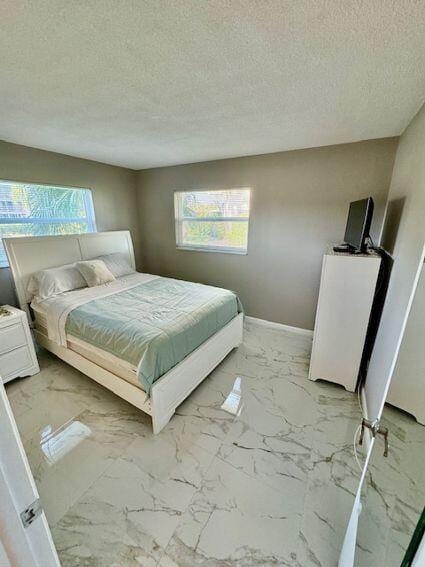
{"x":213,"y":219}
{"x":39,"y":210}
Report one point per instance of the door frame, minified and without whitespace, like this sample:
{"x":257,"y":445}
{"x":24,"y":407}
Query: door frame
{"x":33,"y":544}
{"x":347,"y":555}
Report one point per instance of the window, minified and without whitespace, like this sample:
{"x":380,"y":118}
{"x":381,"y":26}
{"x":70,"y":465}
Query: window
{"x":37,"y":210}
{"x":212,"y":220}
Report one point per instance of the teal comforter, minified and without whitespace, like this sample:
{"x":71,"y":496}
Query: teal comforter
{"x":154,"y":325}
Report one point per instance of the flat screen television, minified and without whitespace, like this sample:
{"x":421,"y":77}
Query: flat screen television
{"x":358,"y":226}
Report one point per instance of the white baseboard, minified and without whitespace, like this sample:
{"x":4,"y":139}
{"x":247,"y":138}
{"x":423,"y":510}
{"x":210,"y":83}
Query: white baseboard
{"x":280,"y":326}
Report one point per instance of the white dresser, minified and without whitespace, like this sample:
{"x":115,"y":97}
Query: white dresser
{"x":17,"y":354}
{"x":347,"y":289}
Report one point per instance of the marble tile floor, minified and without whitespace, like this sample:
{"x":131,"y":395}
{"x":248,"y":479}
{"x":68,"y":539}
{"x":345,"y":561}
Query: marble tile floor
{"x":394,"y":495}
{"x":255,"y":468}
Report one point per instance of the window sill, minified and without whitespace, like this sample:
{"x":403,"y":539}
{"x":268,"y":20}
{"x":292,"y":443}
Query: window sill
{"x":211,"y":249}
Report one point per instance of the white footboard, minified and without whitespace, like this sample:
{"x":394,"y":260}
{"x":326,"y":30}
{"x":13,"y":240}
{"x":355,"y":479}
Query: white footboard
{"x":171,"y":389}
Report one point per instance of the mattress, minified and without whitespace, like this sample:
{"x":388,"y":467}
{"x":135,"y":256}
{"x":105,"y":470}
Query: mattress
{"x":106,"y":360}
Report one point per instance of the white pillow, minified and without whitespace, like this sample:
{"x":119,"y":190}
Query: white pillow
{"x":95,"y":272}
{"x":53,"y":281}
{"x":117,"y":263}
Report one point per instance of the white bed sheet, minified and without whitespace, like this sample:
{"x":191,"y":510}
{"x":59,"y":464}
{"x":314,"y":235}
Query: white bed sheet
{"x":55,"y":309}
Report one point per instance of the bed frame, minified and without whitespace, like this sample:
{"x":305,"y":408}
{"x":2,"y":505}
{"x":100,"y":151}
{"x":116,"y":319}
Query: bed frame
{"x":28,"y":255}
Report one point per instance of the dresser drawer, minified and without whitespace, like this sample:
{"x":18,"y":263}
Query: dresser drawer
{"x":13,"y":362}
{"x":12,"y":337}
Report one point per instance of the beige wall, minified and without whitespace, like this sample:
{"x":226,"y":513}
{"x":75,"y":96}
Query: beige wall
{"x":299,"y":204}
{"x":113,"y":189}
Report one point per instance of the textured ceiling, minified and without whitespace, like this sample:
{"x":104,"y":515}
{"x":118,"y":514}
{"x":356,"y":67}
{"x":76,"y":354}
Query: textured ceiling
{"x":160,"y":82}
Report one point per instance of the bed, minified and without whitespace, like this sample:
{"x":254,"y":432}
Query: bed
{"x":190,"y":328}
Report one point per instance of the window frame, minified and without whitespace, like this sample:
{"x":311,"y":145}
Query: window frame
{"x":179,"y":219}
{"x":90,"y":217}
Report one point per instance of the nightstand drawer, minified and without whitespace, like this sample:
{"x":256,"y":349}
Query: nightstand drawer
{"x":12,"y":337}
{"x":14,"y":361}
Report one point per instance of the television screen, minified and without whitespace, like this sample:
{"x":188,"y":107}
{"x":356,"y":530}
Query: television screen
{"x":358,"y":223}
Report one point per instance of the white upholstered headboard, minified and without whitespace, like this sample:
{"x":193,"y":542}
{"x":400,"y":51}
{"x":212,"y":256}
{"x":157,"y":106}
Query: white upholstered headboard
{"x":30,"y":254}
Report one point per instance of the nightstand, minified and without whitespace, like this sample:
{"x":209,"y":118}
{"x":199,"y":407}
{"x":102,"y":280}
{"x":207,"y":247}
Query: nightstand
{"x":17,"y":354}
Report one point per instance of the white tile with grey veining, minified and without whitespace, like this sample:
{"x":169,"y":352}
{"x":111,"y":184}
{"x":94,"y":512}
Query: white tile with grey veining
{"x":255,"y":468}
{"x":143,"y":495}
{"x":235,"y":519}
{"x":395,"y":491}
{"x":66,"y":460}
{"x":54,"y":396}
{"x":268,"y":442}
